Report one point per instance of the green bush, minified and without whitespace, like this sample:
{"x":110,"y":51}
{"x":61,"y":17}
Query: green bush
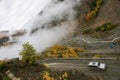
{"x":28,"y":53}
{"x":105,"y":27}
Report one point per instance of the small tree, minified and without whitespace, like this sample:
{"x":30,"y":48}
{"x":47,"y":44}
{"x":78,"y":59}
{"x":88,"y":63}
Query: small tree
{"x":28,"y":53}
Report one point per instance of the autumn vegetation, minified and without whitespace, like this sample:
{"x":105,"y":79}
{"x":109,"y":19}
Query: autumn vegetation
{"x":47,"y":76}
{"x":64,"y":75}
{"x":29,"y":54}
{"x":59,"y":51}
{"x":94,"y":9}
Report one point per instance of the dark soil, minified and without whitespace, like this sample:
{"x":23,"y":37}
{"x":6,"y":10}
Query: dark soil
{"x":26,"y":71}
{"x":23,"y":70}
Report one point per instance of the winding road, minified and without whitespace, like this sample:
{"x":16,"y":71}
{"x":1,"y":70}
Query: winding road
{"x":87,"y":41}
{"x":112,"y":72}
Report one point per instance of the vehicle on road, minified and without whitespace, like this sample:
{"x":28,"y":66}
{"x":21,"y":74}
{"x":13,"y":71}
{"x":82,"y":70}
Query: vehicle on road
{"x":97,"y":66}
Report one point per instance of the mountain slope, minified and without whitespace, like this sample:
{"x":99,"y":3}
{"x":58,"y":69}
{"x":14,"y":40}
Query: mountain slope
{"x":109,"y":12}
{"x":86,"y":34}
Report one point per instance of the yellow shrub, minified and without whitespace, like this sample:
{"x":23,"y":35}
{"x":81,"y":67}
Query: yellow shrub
{"x":65,"y":75}
{"x":47,"y":76}
{"x":94,"y":12}
{"x":72,"y":51}
{"x":62,"y":51}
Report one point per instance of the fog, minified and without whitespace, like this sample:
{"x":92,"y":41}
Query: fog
{"x":46,"y":25}
{"x":14,"y":13}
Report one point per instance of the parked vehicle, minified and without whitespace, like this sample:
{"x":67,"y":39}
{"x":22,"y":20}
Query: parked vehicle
{"x":97,"y":66}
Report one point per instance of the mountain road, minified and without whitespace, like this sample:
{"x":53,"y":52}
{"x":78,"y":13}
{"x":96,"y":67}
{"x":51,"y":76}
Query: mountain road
{"x":111,"y":73}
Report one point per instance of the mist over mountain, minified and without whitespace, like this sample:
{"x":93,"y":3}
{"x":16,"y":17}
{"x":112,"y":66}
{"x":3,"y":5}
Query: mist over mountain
{"x":74,"y":23}
{"x":15,"y":14}
{"x":45,"y":27}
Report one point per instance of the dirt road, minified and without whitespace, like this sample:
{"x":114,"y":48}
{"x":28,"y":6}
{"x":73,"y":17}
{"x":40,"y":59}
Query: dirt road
{"x":112,"y":72}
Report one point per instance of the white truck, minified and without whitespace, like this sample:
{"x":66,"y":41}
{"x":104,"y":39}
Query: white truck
{"x":97,"y":66}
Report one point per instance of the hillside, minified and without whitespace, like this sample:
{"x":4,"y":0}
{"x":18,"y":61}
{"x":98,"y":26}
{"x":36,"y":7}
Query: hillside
{"x":104,"y":24}
{"x":108,"y":12}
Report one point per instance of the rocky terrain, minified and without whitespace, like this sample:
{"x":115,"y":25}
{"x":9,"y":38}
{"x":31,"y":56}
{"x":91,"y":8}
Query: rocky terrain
{"x":7,"y":39}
